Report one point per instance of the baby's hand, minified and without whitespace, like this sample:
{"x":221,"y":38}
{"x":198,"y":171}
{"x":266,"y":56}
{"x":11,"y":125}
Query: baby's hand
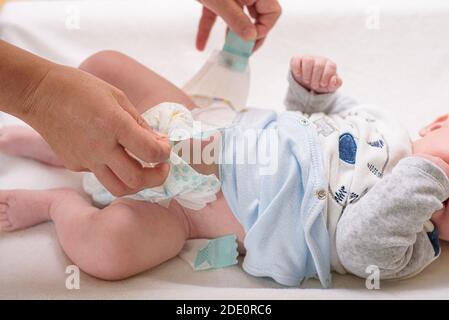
{"x":316,"y":74}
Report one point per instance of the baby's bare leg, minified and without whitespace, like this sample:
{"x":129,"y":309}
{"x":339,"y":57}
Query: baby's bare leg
{"x":24,"y":142}
{"x":143,"y":87}
{"x":123,"y":239}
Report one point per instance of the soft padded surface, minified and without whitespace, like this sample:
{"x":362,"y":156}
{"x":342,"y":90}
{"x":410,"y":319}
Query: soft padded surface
{"x":402,"y":66}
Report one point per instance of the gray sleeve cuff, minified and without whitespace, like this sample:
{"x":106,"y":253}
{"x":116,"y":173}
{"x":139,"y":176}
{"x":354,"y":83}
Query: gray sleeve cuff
{"x":300,"y":99}
{"x":427,"y":169}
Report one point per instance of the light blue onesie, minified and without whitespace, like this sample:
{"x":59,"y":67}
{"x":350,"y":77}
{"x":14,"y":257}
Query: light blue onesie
{"x":281,"y":211}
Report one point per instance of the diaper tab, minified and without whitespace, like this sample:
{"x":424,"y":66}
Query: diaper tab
{"x":217,"y":253}
{"x":236,"y":52}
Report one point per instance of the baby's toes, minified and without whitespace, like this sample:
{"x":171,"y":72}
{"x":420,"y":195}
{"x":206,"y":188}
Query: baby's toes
{"x":5,"y":130}
{"x":4,"y":218}
{"x":10,"y":139}
{"x":15,"y":133}
{"x":5,"y":224}
{"x":2,"y":133}
{"x":5,"y":200}
{"x":3,"y":207}
{"x":4,"y":138}
{"x":4,"y":212}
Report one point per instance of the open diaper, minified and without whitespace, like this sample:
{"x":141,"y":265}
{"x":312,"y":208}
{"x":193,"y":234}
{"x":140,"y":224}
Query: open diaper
{"x":225,"y":75}
{"x":188,"y":187}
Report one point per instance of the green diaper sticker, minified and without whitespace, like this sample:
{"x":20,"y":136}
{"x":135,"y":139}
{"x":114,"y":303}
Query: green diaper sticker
{"x":236,"y":52}
{"x":219,"y":253}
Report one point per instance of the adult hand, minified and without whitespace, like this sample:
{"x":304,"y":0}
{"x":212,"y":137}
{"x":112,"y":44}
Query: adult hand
{"x":264,"y":12}
{"x":90,"y":124}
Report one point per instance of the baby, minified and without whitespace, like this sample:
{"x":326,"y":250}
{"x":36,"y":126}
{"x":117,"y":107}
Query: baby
{"x":351,"y":189}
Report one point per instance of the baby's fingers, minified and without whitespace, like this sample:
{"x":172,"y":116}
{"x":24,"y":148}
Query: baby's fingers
{"x":307,"y":64}
{"x":335,"y":83}
{"x":317,"y":73}
{"x":295,"y":66}
{"x":330,"y":70}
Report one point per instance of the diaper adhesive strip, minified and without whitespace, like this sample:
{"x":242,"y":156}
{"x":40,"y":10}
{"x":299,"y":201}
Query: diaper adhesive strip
{"x":203,"y":254}
{"x":236,"y":52}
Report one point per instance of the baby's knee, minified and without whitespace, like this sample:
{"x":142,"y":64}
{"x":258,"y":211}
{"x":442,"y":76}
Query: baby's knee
{"x":111,"y":268}
{"x":103,"y":63}
{"x":114,"y":255}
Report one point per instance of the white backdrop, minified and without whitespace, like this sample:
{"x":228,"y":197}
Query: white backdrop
{"x":393,"y":53}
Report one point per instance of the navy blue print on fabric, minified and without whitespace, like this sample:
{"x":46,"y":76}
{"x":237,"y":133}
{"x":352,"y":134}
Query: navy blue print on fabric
{"x":378,"y":144}
{"x":434,"y":239}
{"x":340,"y":195}
{"x":353,"y":197}
{"x":347,"y":148}
{"x":374,"y":170}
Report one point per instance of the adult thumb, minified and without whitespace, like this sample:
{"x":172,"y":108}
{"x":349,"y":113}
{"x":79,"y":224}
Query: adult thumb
{"x":138,"y":138}
{"x":234,"y":16}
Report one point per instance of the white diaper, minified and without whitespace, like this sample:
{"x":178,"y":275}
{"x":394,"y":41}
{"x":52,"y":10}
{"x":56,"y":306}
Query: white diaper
{"x":188,"y":187}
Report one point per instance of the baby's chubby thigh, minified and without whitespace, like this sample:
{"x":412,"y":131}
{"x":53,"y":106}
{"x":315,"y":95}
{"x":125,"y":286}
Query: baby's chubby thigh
{"x":216,"y":218}
{"x":213,"y":221}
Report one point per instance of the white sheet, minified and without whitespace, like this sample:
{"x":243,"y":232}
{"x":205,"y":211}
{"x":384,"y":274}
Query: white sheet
{"x":402,"y":66}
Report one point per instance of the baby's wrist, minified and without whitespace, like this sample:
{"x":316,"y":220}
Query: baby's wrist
{"x":307,"y":87}
{"x":299,"y":82}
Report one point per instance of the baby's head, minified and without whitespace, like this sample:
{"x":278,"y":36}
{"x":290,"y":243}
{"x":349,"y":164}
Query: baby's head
{"x":434,"y":139}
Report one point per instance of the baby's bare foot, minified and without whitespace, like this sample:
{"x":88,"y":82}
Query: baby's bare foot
{"x":24,"y":142}
{"x":20,"y":209}
{"x":14,"y":139}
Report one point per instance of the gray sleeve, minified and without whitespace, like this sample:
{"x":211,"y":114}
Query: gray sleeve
{"x":300,"y":99}
{"x":386,"y":227}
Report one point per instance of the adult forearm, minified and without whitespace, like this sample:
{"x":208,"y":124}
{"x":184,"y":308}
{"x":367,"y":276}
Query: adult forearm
{"x":21,"y":72}
{"x":89,"y":124}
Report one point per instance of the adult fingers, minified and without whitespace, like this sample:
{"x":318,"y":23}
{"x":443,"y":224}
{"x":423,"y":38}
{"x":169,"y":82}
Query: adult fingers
{"x":143,"y":143}
{"x":264,"y":16}
{"x":128,"y":170}
{"x":234,"y":16}
{"x":135,"y":136}
{"x":132,"y":174}
{"x":267,"y":14}
{"x":207,"y":21}
{"x":259,"y":43}
{"x":111,"y":182}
